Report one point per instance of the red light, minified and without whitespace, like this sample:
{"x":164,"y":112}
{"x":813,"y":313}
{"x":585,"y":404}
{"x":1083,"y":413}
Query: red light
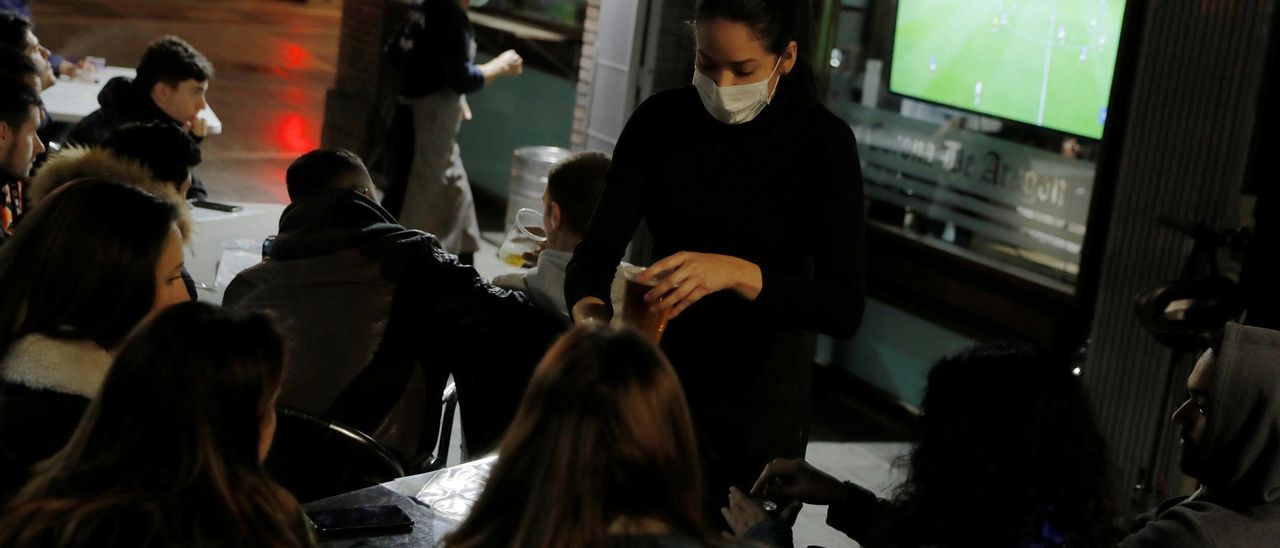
{"x":294,"y":56}
{"x":296,"y":134}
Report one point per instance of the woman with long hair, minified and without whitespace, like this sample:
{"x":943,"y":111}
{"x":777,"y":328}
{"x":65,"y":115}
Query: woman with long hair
{"x":86,"y":265}
{"x":601,"y":453}
{"x":169,"y":453}
{"x":753,"y":193}
{"x":1009,"y":455}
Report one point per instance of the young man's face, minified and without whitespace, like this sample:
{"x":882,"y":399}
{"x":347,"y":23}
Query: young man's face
{"x":182,"y":101}
{"x":1193,"y":415}
{"x":40,"y":55}
{"x":19,"y":146}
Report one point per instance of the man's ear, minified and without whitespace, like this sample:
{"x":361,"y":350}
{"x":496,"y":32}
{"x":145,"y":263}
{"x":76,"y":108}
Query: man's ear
{"x":557,"y":216}
{"x":160,"y":91}
{"x":6,"y":134}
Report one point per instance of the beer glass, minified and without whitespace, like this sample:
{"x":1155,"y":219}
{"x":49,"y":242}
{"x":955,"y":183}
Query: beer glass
{"x":635,"y":311}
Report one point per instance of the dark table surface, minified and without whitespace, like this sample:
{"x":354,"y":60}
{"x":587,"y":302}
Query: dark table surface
{"x":429,"y":526}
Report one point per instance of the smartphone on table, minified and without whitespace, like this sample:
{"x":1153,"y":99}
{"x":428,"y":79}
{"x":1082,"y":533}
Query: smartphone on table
{"x":364,"y":521}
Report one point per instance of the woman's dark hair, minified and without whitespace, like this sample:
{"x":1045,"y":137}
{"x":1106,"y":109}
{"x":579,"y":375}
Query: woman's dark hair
{"x":603,"y":432}
{"x":82,"y":263}
{"x":167,"y":454}
{"x":776,"y":23}
{"x":161,"y":147}
{"x":1008,"y":452}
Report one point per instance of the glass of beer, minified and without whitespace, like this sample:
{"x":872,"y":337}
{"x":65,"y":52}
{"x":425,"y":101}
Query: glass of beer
{"x":521,"y":246}
{"x":635,"y":311}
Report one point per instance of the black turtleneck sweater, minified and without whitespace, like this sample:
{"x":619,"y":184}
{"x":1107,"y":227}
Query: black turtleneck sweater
{"x":784,"y":192}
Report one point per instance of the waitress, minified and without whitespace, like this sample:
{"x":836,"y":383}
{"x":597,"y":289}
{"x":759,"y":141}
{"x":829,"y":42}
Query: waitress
{"x":753,"y":193}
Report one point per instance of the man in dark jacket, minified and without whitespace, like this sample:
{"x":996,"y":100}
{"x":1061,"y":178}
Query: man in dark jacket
{"x":20,"y":113}
{"x":1231,"y":444}
{"x":170,"y":87}
{"x":378,"y":316}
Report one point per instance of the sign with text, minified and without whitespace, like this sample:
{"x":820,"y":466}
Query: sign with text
{"x":1001,"y":191}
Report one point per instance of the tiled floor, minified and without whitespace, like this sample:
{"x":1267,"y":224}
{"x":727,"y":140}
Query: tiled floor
{"x":274,"y":62}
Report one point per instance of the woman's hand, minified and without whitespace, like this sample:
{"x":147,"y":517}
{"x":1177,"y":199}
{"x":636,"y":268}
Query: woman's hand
{"x":589,"y":309}
{"x":742,"y":513}
{"x":797,"y":480}
{"x":691,"y":276}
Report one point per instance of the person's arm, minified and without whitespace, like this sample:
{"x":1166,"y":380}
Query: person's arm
{"x":490,"y":338}
{"x":831,"y":302}
{"x":1175,"y":528}
{"x":589,"y":275}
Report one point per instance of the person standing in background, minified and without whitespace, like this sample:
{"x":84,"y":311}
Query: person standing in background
{"x":435,"y":53}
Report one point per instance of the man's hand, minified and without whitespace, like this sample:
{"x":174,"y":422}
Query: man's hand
{"x":507,"y":63}
{"x":198,"y":127}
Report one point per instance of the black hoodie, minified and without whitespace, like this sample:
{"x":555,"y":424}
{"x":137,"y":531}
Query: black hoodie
{"x":362,"y":300}
{"x":1239,"y":503}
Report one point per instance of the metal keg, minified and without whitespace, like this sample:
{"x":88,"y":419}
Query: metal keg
{"x":529,"y":171}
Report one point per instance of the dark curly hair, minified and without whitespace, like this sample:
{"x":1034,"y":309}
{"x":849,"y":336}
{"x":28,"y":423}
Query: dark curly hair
{"x":1009,"y":454}
{"x":172,"y":60}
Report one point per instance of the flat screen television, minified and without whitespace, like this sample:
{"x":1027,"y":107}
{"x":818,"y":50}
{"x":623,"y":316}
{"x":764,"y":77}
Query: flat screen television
{"x":1043,"y":62}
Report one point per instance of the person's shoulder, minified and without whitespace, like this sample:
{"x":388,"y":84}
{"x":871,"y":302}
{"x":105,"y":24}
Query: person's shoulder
{"x":671,"y":100}
{"x":1185,"y":524}
{"x":660,"y":110}
{"x":827,"y":125}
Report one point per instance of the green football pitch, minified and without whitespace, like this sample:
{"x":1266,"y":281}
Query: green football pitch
{"x":1043,"y":62}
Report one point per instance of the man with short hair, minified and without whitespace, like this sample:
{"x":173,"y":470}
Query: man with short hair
{"x":368,"y":306}
{"x":1230,"y":443}
{"x":20,"y":113}
{"x":170,"y":87}
{"x":16,"y":32}
{"x":573,"y":189}
{"x":164,"y":149}
{"x":18,"y":65}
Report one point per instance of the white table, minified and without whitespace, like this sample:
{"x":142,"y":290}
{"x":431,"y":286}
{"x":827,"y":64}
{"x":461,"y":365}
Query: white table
{"x":70,"y":100}
{"x":217,"y":231}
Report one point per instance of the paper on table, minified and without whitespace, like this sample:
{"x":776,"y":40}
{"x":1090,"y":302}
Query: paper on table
{"x":453,"y":491}
{"x":233,"y":262}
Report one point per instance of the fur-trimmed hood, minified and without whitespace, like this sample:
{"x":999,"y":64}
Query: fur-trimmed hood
{"x":76,"y":162}
{"x":66,"y":366}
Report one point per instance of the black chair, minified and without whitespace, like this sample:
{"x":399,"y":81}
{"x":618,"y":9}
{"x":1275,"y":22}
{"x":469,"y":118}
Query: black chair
{"x":314,"y":458}
{"x":439,"y":459}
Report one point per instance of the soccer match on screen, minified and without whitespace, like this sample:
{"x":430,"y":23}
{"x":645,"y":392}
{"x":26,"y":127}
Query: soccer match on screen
{"x":1042,"y":62}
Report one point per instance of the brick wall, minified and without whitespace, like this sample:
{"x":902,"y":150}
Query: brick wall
{"x":674,"y":63}
{"x":353,"y":119}
{"x":586,"y":67}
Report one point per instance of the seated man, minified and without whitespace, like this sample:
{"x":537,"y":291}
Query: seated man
{"x":16,"y":32}
{"x":574,"y":187}
{"x":20,"y":113}
{"x":20,"y":66}
{"x":170,"y":87}
{"x":1231,"y":444}
{"x":378,"y":316}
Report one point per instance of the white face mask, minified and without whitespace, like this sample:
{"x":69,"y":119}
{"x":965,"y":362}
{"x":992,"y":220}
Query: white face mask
{"x":734,"y":104}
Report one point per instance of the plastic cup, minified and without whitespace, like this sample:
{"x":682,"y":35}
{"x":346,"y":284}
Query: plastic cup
{"x":635,"y":311}
{"x":520,"y":248}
